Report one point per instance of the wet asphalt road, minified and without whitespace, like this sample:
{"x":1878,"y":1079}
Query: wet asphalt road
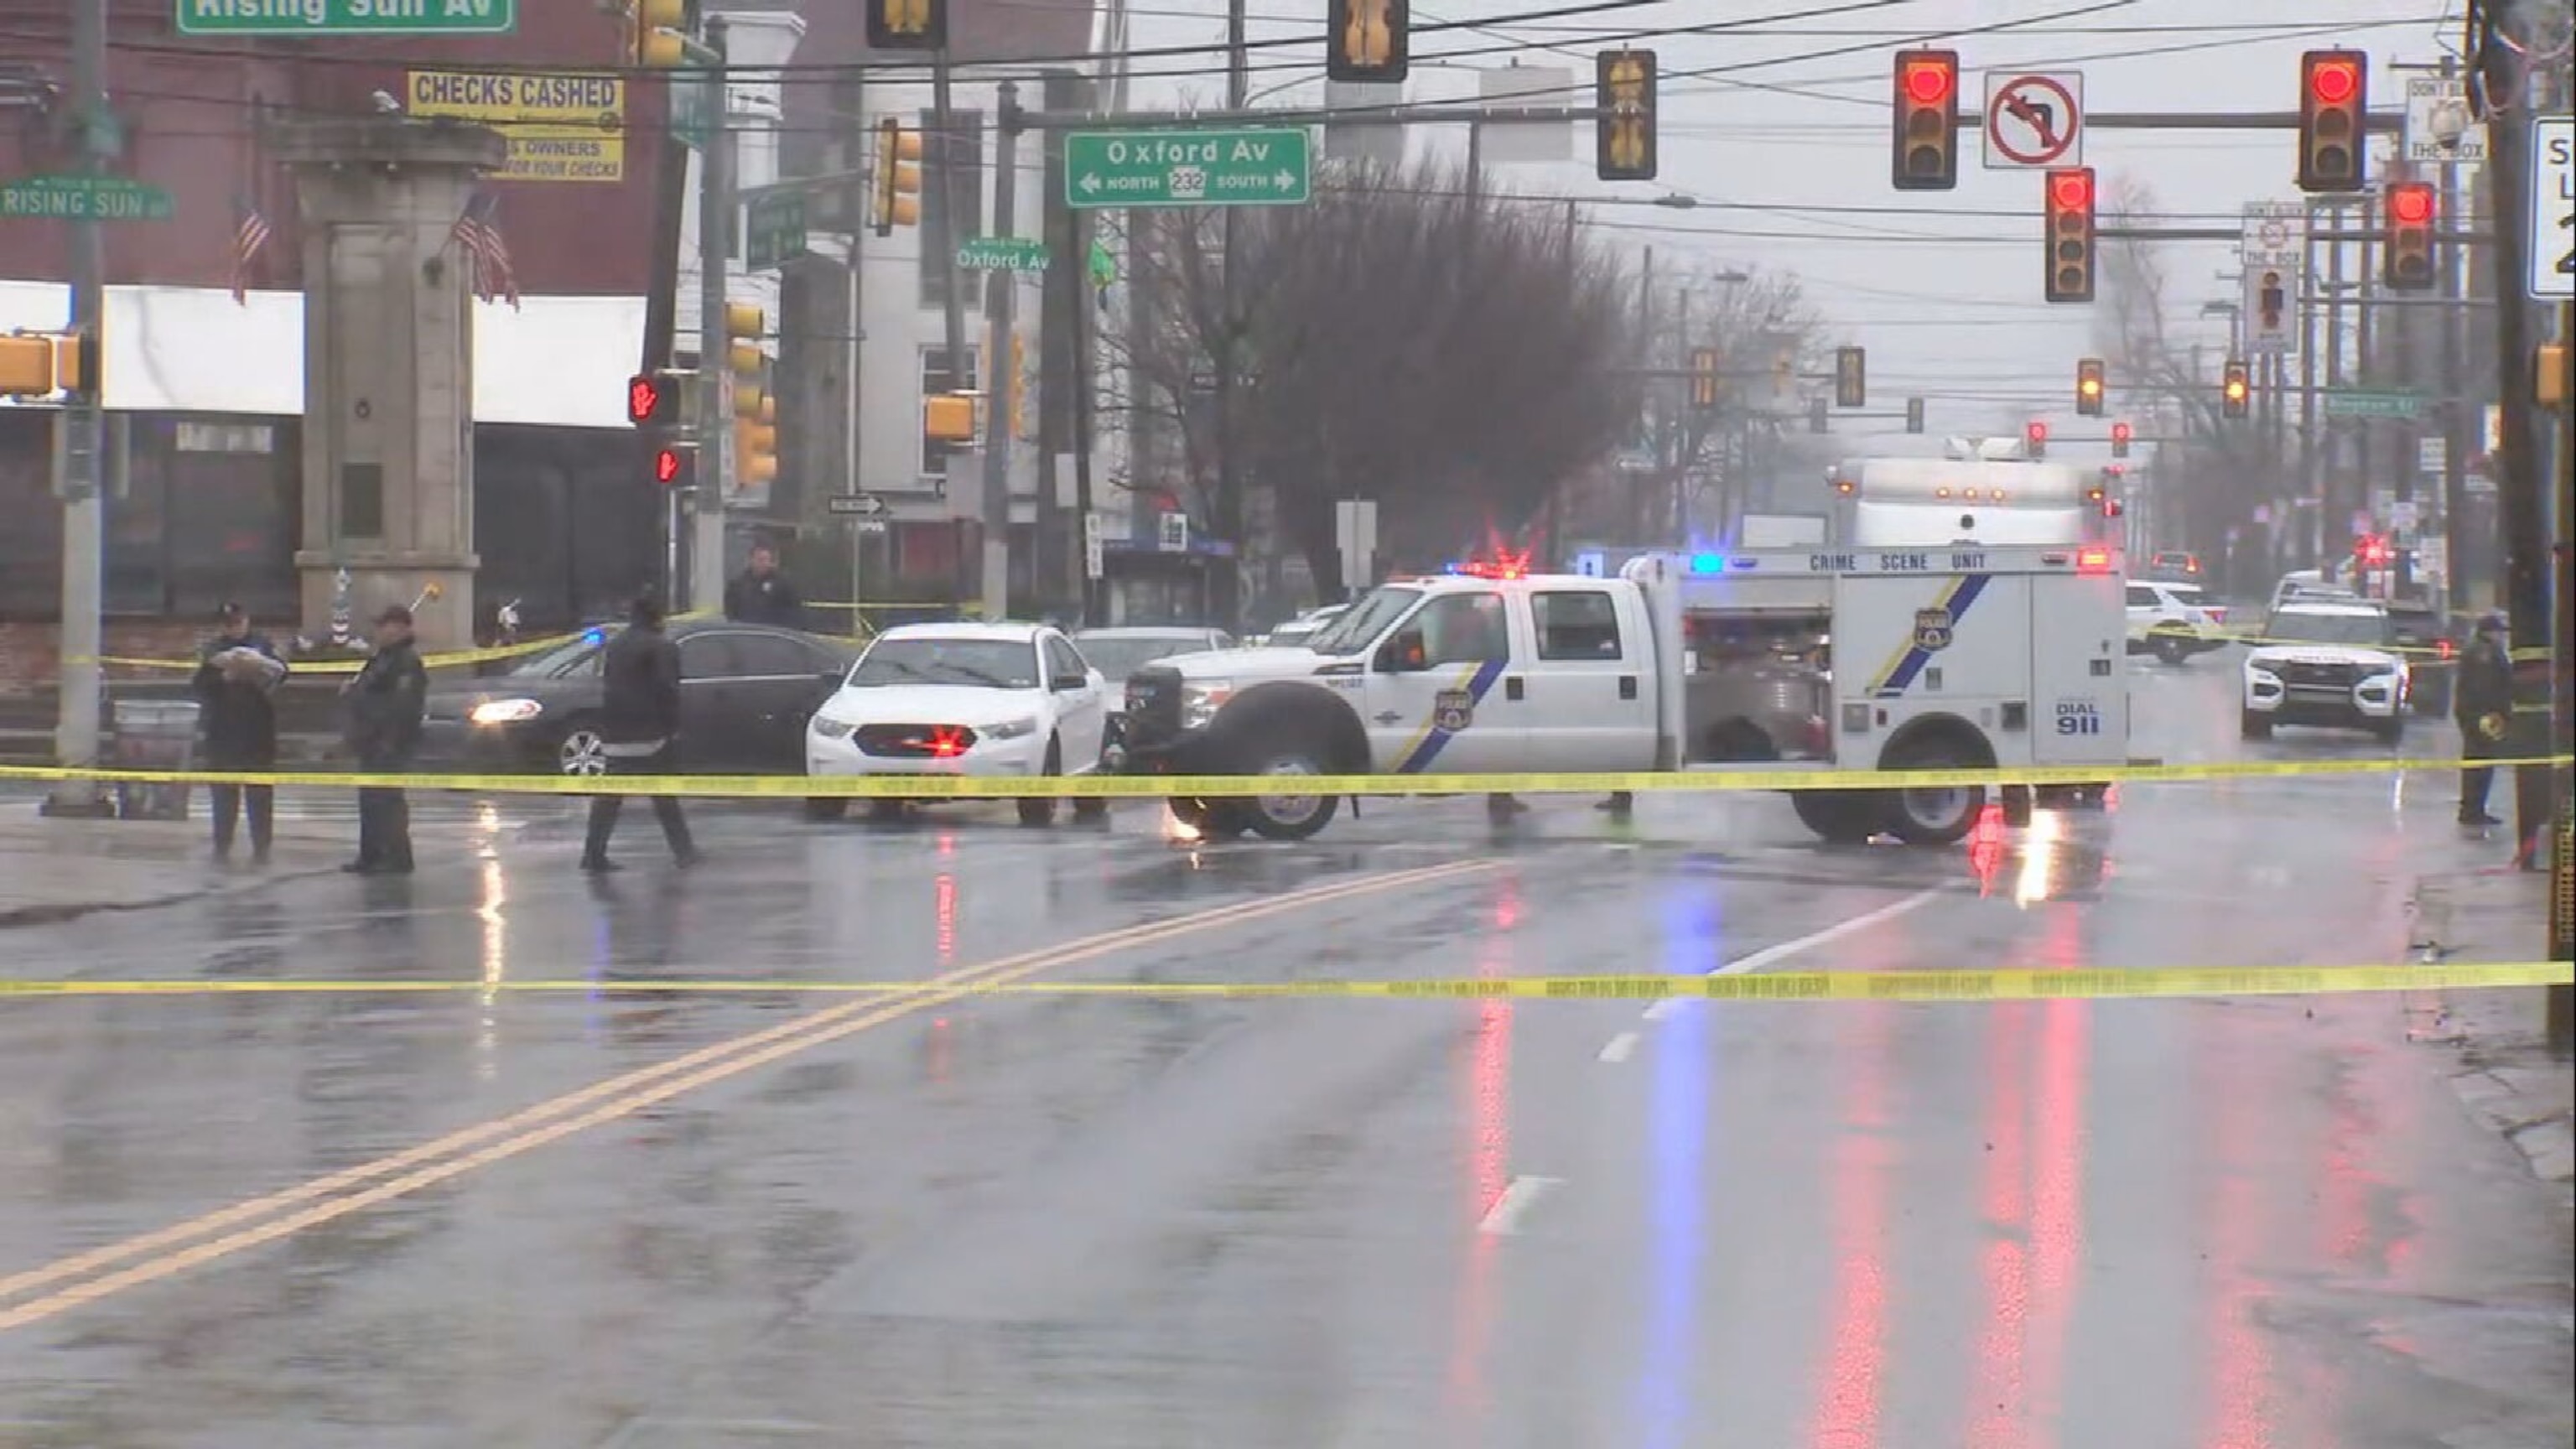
{"x":613,"y":1218}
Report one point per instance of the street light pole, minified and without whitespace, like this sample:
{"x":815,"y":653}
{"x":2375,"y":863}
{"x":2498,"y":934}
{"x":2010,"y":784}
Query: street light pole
{"x":76,"y":728}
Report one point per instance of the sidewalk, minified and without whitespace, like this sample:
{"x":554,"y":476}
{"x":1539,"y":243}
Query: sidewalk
{"x":2505,"y":1073}
{"x":56,"y":870}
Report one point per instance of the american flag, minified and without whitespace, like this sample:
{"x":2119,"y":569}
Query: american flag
{"x":250,"y":236}
{"x":479,"y":232}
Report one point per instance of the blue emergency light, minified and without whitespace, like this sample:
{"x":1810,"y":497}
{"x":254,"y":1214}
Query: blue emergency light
{"x":1708,"y":563}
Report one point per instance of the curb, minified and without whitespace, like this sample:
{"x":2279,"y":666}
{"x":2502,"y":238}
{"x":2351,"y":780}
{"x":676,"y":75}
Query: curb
{"x":2503,"y":1074}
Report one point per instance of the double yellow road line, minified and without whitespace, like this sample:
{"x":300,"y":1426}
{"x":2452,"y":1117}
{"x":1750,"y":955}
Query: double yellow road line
{"x":68,"y":1283}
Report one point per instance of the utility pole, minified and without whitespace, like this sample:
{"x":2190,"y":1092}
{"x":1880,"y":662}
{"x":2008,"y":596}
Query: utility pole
{"x":2310,"y":548}
{"x":2454,"y":392}
{"x":1229,"y":513}
{"x":715,"y":375}
{"x":1645,"y":342}
{"x":1000,"y":292}
{"x":84,"y":519}
{"x":2332,"y":527}
{"x":852,"y":98}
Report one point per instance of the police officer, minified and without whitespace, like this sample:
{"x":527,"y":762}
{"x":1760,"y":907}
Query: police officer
{"x":639,"y":722}
{"x":2482,"y":703}
{"x":384,"y":704}
{"x":236,"y":674}
{"x":761,"y":594}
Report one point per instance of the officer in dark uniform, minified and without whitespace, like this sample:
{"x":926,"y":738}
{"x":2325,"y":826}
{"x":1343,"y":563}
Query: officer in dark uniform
{"x":640,"y":721}
{"x":761,"y":594}
{"x":237,"y":673}
{"x":384,"y":703}
{"x":2482,"y":703}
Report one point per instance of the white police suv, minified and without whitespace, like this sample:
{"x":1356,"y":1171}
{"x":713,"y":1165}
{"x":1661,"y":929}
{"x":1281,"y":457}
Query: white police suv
{"x":2325,"y":661}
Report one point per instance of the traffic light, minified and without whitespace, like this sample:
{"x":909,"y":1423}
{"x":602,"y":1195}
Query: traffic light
{"x":675,"y":465}
{"x":1851,"y":377}
{"x":1624,"y":133}
{"x":1703,"y":380}
{"x":2409,"y":244}
{"x":2120,"y":436}
{"x":1927,"y":120}
{"x":653,"y":399}
{"x":2070,"y":234}
{"x":898,"y":177}
{"x":1816,"y":420}
{"x":2271,"y":299}
{"x":755,"y":445}
{"x":907,"y":24}
{"x":1368,"y":42}
{"x":2088,"y":388}
{"x":657,"y":33}
{"x":2334,"y":93}
{"x":2372,"y":551}
{"x":1914,"y":415}
{"x":2035,"y":439}
{"x":2549,"y":374}
{"x":28,"y":364}
{"x":2236,"y":389}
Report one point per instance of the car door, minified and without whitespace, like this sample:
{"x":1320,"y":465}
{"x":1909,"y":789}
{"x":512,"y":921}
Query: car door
{"x":1458,"y":709}
{"x":708,"y":705}
{"x":1081,"y":704}
{"x":776,"y":688}
{"x":1588,"y":704}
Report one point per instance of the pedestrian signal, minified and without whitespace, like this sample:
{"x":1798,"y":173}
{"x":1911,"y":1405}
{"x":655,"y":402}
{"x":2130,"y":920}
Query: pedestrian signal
{"x":1624,"y":132}
{"x":1368,"y":42}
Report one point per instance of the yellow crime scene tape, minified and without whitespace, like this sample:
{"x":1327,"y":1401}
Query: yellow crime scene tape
{"x":2255,"y":640}
{"x":1784,"y":986}
{"x":1140,"y":787}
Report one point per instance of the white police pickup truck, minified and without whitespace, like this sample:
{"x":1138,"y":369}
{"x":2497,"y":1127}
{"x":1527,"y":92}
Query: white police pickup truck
{"x":1924,"y":659}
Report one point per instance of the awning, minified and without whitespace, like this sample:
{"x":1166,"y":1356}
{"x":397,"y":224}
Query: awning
{"x":558,"y":362}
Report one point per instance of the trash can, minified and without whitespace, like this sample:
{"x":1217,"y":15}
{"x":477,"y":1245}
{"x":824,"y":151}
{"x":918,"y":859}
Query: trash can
{"x":154,"y":734}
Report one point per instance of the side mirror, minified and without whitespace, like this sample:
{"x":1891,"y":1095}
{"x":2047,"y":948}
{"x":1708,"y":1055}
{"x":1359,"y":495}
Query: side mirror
{"x":1065,"y":683}
{"x":1403,"y":654}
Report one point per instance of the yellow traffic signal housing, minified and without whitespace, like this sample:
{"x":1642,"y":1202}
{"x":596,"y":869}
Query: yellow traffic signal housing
{"x":1368,"y":42}
{"x":2236,"y":389}
{"x":2407,"y":247}
{"x":1624,"y":132}
{"x":1927,"y":120}
{"x":2549,"y":377}
{"x":657,"y":33}
{"x":1851,"y":377}
{"x":949,"y":417}
{"x":2089,"y":387}
{"x":28,"y":364}
{"x":755,"y":452}
{"x":1704,"y":381}
{"x":897,"y":199}
{"x":907,"y":24}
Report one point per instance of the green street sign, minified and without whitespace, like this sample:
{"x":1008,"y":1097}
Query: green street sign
{"x":2346,"y":403}
{"x":1002,"y":254}
{"x":1270,"y":166}
{"x":775,"y":228}
{"x":347,"y":17}
{"x":85,"y":198}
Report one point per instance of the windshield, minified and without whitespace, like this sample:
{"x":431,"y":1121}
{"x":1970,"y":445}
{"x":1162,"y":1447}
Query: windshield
{"x":976,"y":663}
{"x":561,"y":658}
{"x":2368,"y":631}
{"x":1118,"y":656}
{"x":1359,"y":628}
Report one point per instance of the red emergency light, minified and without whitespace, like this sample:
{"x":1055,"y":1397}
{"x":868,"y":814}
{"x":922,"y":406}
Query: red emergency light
{"x":2093,"y":559}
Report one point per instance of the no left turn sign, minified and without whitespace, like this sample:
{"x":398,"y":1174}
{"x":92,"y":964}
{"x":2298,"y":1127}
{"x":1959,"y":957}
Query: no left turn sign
{"x":2034,"y":119}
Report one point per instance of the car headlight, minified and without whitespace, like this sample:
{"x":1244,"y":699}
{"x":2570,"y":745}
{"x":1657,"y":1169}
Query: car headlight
{"x":1009,"y":729}
{"x":1201,"y":699}
{"x":832,"y":729}
{"x":504,"y":711}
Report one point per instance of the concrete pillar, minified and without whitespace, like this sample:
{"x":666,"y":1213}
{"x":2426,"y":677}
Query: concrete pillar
{"x":388,"y":365}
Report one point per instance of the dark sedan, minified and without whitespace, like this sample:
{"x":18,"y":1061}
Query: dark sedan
{"x":746,"y":691}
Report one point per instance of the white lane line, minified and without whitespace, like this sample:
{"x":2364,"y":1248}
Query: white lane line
{"x":1618,"y":1048}
{"x":1505,"y":1215}
{"x":1772,"y":955}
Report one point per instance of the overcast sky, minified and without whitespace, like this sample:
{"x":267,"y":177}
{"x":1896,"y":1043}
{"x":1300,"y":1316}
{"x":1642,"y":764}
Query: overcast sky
{"x":1944,"y":294}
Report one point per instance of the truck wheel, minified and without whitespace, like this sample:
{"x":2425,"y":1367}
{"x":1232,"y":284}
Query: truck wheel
{"x":2253,"y":726}
{"x":1940,"y":815}
{"x":1838,"y":817}
{"x":2171,"y":648}
{"x":2018,"y":802}
{"x":1289,"y":817}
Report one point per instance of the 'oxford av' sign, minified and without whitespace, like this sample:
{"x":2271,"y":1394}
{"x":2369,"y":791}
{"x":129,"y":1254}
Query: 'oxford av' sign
{"x":1269,"y":166}
{"x":347,"y":17}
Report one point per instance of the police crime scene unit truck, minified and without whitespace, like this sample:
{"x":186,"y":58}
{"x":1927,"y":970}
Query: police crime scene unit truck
{"x":1904,"y":659}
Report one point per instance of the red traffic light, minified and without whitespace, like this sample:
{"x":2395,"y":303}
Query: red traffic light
{"x":2036,"y":432}
{"x":1928,"y":81}
{"x":2410,"y":204}
{"x":2120,"y":432}
{"x":2070,"y":190}
{"x":666,"y":465}
{"x":2334,"y":79}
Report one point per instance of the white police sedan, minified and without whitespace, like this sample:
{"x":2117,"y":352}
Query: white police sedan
{"x":984,"y":701}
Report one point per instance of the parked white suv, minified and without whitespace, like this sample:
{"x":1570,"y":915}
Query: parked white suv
{"x":2163,"y":622}
{"x":2326,"y":662}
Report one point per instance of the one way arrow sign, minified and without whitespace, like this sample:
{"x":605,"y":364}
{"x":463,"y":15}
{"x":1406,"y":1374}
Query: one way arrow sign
{"x":858,"y":505}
